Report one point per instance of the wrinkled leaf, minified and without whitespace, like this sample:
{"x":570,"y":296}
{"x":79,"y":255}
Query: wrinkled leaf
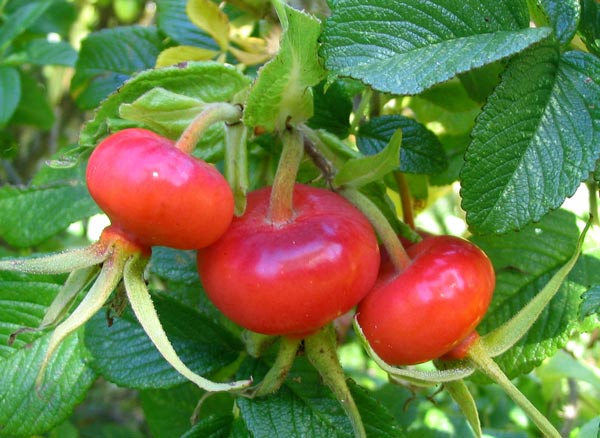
{"x":561,"y":15}
{"x":591,"y":302}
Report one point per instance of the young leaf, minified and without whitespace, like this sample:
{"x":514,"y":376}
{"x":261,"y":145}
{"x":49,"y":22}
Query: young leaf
{"x":109,"y":57}
{"x":23,"y":411}
{"x":179,"y":54}
{"x":405,"y":47}
{"x":358,"y":172}
{"x":173,"y":21}
{"x":124,"y":354}
{"x":535,"y":141}
{"x":210,"y":18}
{"x":561,"y":15}
{"x":10,"y":93}
{"x":281,"y":94}
{"x":421,"y":150}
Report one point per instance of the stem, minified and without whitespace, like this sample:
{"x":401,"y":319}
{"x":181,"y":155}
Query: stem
{"x":281,"y":207}
{"x":236,"y":164}
{"x":408,"y":215}
{"x":386,"y":233}
{"x":288,"y":348}
{"x":211,"y":114}
{"x":321,"y":352}
{"x":144,"y":310}
{"x":479,"y":356}
{"x":593,"y":199}
{"x":360,"y":111}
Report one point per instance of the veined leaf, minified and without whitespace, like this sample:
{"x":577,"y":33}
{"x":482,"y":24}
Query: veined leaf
{"x":174,"y":22}
{"x":405,"y":47}
{"x":281,"y":93}
{"x":591,"y":302}
{"x":207,"y":16}
{"x":561,"y":15}
{"x":537,"y":138}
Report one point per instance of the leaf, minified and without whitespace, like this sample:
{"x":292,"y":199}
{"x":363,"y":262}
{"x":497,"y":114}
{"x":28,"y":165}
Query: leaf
{"x":124,"y":354}
{"x":591,"y":302}
{"x":304,"y":407}
{"x":421,"y":150}
{"x":358,"y":172}
{"x":109,"y":57}
{"x":174,"y":265}
{"x":43,"y":52}
{"x":281,"y":94}
{"x":210,"y":18}
{"x":30,"y":215}
{"x":174,"y":22}
{"x":405,"y":47}
{"x":332,"y":109}
{"x":561,"y":15}
{"x":535,"y":141}
{"x":10,"y":93}
{"x":202,"y":81}
{"x":589,"y":25}
{"x":23,"y":411}
{"x":34,"y":108}
{"x":179,"y":54}
{"x":18,"y":20}
{"x":524,"y":263}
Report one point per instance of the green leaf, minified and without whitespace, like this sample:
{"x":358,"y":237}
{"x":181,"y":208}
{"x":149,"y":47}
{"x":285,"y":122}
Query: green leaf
{"x":23,"y":411}
{"x":589,"y":25}
{"x":174,"y":265}
{"x":524,"y":263}
{"x":405,"y":47}
{"x":34,"y":108}
{"x":174,"y":22}
{"x":421,"y":151}
{"x":212,"y":427}
{"x":201,"y":81}
{"x":591,"y":302}
{"x":109,"y":57}
{"x":561,"y":15}
{"x":281,"y":94}
{"x":124,"y":354}
{"x":332,"y":109}
{"x":18,"y":20}
{"x":30,"y":215}
{"x":535,"y":141}
{"x":40,"y":51}
{"x":357,"y":172}
{"x":10,"y":93}
{"x":210,"y":18}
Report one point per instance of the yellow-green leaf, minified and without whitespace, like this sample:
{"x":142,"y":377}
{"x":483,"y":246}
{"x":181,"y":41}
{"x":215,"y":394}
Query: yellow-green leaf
{"x":207,"y":16}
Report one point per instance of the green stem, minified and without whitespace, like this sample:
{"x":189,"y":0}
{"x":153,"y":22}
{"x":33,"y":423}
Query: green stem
{"x":288,"y":348}
{"x":479,"y":356}
{"x":408,"y":215}
{"x":236,"y":164}
{"x":361,"y":110}
{"x":281,"y":207}
{"x":383,"y":228}
{"x":211,"y":114}
{"x":593,"y":199}
{"x":143,"y":308}
{"x":321,"y":352}
{"x":459,"y":392}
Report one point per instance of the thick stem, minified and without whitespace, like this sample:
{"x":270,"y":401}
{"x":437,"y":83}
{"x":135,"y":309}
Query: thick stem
{"x":212,"y":113}
{"x":281,"y":207}
{"x":408,"y":214}
{"x":288,"y":348}
{"x":236,"y":164}
{"x":386,"y":233}
{"x":321,"y":352}
{"x":479,"y":356}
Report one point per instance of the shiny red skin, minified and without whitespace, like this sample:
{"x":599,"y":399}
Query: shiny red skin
{"x":429,"y":308}
{"x":294,"y":278}
{"x":157,"y":193}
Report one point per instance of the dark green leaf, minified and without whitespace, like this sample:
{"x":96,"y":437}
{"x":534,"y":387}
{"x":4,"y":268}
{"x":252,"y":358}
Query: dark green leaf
{"x":212,"y":427}
{"x":524,"y":263}
{"x":34,"y":108}
{"x":480,"y":83}
{"x":23,"y":410}
{"x":405,"y":47}
{"x":421,"y":151}
{"x":174,"y":265}
{"x":561,"y":15}
{"x":455,"y":147}
{"x":332,"y":109}
{"x":125,"y":355}
{"x":174,"y":22}
{"x":109,"y":57}
{"x":589,"y":25}
{"x":10,"y":93}
{"x":591,"y":302}
{"x":203,"y":81}
{"x":19,"y":19}
{"x":58,"y":19}
{"x":30,"y":215}
{"x":281,"y":94}
{"x":535,"y":141}
{"x":43,"y":52}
